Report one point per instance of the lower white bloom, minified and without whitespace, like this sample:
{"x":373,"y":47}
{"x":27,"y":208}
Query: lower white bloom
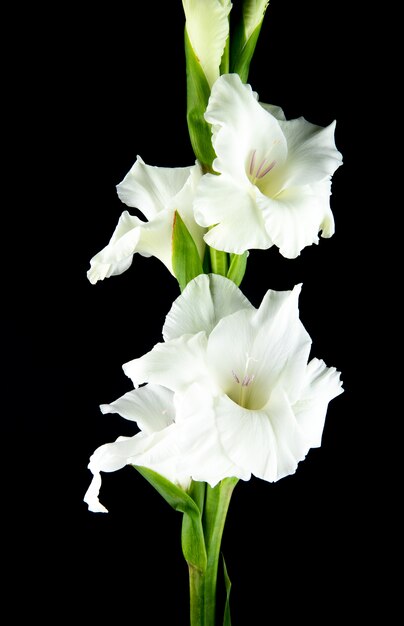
{"x":275,"y":175}
{"x":157,"y":192}
{"x":247,"y":399}
{"x":230,"y":393}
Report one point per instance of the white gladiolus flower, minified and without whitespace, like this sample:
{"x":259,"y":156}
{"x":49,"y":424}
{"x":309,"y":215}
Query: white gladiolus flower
{"x":207,"y":25}
{"x":247,"y":399}
{"x":157,"y":192}
{"x":274,"y":185}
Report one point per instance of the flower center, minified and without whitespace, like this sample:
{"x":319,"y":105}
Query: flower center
{"x":259,"y":168}
{"x":241,"y":391}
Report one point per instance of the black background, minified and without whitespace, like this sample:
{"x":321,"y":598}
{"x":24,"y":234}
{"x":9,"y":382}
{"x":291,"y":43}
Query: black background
{"x":99,"y":87}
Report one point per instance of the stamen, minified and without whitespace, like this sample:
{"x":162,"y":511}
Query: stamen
{"x":252,"y":162}
{"x":259,"y":169}
{"x":247,"y":380}
{"x":265,"y":166}
{"x":236,"y":378}
{"x":267,"y":170}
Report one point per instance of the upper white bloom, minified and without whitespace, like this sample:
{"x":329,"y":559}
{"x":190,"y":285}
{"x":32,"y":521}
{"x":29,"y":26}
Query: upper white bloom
{"x":275,"y":175}
{"x":207,"y":24}
{"x":157,"y":192}
{"x":247,"y":400}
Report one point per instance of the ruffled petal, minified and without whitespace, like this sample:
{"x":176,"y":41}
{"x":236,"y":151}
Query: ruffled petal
{"x":244,"y":134}
{"x":157,"y":451}
{"x":147,"y":238}
{"x":151,"y":407}
{"x":207,"y":24}
{"x":216,"y":297}
{"x":175,"y":364}
{"x":312,"y":153}
{"x":291,"y":446}
{"x":109,"y":457}
{"x":294,"y":218}
{"x":151,"y":189}
{"x":232,"y":211}
{"x":322,"y":384}
{"x":117,"y":256}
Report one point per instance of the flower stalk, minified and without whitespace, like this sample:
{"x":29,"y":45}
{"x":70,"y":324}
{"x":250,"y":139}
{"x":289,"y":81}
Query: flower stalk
{"x":203,"y":583}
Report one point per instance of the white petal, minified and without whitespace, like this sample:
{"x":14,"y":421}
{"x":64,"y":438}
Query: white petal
{"x":260,"y":348}
{"x":201,"y":452}
{"x":151,"y":407}
{"x":294,"y":218}
{"x":155,"y":238}
{"x":175,"y":364}
{"x":274,"y":110}
{"x":117,"y":256}
{"x":204,"y":301}
{"x":107,"y":458}
{"x":239,"y":223}
{"x":312,"y":154}
{"x":247,"y":438}
{"x":147,"y":238}
{"x":207,"y":23}
{"x":151,"y":189}
{"x":291,"y":446}
{"x":322,"y":384}
{"x":91,"y":495}
{"x":157,"y":451}
{"x":242,"y":127}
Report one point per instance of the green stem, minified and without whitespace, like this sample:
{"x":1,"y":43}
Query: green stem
{"x":196,"y":574}
{"x":214,"y":517}
{"x":196,"y":593}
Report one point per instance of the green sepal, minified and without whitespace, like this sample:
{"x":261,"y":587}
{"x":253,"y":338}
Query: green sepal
{"x":192,"y":539}
{"x":238,"y":266}
{"x":225,"y":61}
{"x":219,"y":261}
{"x":207,"y":267}
{"x":227,"y":583}
{"x":185,"y":257}
{"x":198,"y":92}
{"x":242,"y":51}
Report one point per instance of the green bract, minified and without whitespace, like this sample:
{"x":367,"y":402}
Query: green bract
{"x":246,"y":36}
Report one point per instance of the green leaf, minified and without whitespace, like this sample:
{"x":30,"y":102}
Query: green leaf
{"x":185,"y":257}
{"x":227,"y":582}
{"x":193,"y":543}
{"x":174,"y":495}
{"x":238,"y":266}
{"x":198,"y":92}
